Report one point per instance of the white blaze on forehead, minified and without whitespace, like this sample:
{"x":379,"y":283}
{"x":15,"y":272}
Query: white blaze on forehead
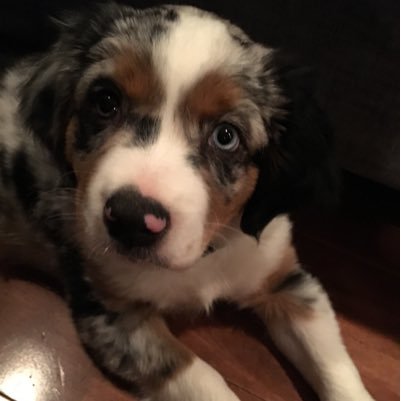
{"x":196,"y":44}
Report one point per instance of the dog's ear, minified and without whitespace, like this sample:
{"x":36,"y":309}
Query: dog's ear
{"x":47,"y":103}
{"x":297,"y":165}
{"x":47,"y":95}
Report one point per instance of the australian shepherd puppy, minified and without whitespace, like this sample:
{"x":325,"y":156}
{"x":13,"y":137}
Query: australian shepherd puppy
{"x":153,"y":156}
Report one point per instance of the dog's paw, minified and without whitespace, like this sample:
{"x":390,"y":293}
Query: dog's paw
{"x":357,"y":396}
{"x":197,"y":382}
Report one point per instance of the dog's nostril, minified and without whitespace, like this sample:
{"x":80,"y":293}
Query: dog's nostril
{"x":134,"y":220}
{"x":107,"y":213}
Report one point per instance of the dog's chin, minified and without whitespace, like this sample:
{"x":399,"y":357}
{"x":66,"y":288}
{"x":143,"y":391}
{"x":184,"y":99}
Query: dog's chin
{"x":136,"y":255}
{"x":150,"y":256}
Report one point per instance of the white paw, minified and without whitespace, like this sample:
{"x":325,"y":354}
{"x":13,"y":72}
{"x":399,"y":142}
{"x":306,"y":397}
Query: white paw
{"x":361,"y":395}
{"x":197,"y":382}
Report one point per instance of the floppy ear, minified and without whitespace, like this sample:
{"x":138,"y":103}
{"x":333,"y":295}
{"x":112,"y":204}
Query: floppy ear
{"x":47,"y":100}
{"x":47,"y":104}
{"x":47,"y":96}
{"x":297,"y":165}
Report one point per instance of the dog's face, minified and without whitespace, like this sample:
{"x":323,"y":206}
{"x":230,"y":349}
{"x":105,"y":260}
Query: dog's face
{"x":166,"y":117}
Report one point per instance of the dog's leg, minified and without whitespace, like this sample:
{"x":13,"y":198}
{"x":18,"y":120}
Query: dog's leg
{"x":135,"y":349}
{"x":301,"y":321}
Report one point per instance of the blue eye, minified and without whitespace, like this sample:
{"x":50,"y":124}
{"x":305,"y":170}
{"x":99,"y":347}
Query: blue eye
{"x":225,"y":137}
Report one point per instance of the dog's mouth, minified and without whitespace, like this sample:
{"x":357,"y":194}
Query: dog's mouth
{"x":135,"y":254}
{"x":151,"y":256}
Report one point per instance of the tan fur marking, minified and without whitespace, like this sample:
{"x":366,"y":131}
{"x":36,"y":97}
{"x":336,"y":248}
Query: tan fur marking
{"x":212,"y":96}
{"x":223,"y":210}
{"x":84,"y":167}
{"x":271,"y":305}
{"x":136,"y":76}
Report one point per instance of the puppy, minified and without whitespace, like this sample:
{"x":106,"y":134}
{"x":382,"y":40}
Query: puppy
{"x":153,"y":156}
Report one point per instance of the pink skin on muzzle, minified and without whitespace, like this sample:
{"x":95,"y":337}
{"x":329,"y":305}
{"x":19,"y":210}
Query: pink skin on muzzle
{"x":154,"y":224}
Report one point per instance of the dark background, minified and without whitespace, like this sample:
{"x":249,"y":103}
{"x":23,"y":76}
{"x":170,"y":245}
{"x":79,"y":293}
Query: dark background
{"x":351,"y":45}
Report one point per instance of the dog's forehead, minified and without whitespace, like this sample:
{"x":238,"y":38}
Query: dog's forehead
{"x":192,"y":48}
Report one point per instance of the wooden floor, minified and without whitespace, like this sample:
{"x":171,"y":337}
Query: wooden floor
{"x":355,"y":253}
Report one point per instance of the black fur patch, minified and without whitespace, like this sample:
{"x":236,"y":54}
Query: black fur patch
{"x":171,"y":15}
{"x":46,"y":105}
{"x":297,"y":280}
{"x":5,"y":174}
{"x":40,"y":117}
{"x":194,"y":160}
{"x":82,"y":300}
{"x":297,"y":166}
{"x":88,"y":128}
{"x":102,"y":22}
{"x":294,"y":279}
{"x":243,"y":42}
{"x":146,"y":129}
{"x":156,"y":31}
{"x":24,"y":180}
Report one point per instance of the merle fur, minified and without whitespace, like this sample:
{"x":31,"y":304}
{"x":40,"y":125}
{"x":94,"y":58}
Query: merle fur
{"x":48,"y":107}
{"x":106,"y":335}
{"x":24,"y":180}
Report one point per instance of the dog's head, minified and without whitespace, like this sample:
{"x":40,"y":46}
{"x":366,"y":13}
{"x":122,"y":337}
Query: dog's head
{"x":175,"y":124}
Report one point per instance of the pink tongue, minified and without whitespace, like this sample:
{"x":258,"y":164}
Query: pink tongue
{"x":154,"y":224}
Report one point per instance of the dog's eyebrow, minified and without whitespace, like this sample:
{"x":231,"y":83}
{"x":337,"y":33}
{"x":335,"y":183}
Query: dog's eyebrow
{"x":213,"y":95}
{"x":136,"y":75}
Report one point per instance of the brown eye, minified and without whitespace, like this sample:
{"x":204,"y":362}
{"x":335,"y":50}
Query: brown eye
{"x":107,"y":103}
{"x":105,"y":98}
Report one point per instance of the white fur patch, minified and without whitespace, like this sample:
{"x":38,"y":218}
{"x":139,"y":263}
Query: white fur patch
{"x":315,"y":347}
{"x":193,"y":46}
{"x":198,"y":382}
{"x":160,"y":171}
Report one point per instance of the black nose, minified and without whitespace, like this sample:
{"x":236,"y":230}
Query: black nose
{"x":134,"y":220}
